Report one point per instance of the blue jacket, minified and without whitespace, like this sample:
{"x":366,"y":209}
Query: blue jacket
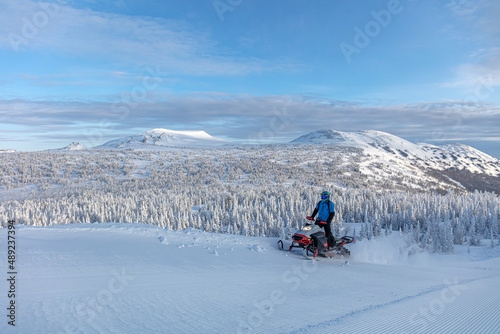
{"x":324,"y":209}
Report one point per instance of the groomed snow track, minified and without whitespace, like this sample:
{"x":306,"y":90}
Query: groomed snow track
{"x":134,"y":278}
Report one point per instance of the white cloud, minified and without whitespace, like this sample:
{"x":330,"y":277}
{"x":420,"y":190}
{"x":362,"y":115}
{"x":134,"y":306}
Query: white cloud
{"x":478,"y":20}
{"x":136,"y":40}
{"x":480,"y":79}
{"x":463,"y":8}
{"x":249,"y":118}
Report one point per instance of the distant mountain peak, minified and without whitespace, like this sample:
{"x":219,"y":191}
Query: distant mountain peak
{"x":194,"y":134}
{"x":366,"y":139}
{"x":74,"y":146}
{"x":382,"y":146}
{"x":165,"y":138}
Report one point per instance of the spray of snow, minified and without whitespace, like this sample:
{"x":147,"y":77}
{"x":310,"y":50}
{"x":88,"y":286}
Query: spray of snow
{"x":392,"y":249}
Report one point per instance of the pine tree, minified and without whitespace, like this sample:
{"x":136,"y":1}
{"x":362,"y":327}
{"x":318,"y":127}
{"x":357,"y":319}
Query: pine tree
{"x":362,"y":233}
{"x":447,"y":238}
{"x":491,"y":237}
{"x":473,"y":238}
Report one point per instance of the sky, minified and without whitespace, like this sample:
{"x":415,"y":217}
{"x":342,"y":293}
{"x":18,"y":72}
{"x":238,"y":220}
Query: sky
{"x":249,"y":71}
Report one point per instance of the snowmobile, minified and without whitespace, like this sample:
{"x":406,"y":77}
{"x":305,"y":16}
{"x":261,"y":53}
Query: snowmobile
{"x":312,"y":239}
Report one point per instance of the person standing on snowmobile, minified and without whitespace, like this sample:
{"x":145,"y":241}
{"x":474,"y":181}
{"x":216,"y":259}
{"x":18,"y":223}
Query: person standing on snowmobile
{"x":326,"y":211}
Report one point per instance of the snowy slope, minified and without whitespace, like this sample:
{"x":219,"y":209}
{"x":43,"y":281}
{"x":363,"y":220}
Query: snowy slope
{"x":405,"y":155}
{"x":133,"y":278}
{"x":467,"y":155}
{"x":373,"y":142}
{"x":363,"y":139}
{"x":163,"y":137}
{"x":74,"y":147}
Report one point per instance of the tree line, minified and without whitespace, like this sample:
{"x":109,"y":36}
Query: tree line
{"x":255,"y":191}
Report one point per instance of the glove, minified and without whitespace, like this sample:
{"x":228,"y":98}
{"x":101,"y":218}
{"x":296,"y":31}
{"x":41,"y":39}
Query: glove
{"x":322,"y":222}
{"x":310,"y":218}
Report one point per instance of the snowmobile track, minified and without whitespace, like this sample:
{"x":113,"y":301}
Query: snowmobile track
{"x":473,"y":309}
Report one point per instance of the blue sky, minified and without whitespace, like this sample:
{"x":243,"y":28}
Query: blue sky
{"x":249,"y":71}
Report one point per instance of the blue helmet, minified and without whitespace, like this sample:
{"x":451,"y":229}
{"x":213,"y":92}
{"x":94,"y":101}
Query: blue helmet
{"x":325,"y":196}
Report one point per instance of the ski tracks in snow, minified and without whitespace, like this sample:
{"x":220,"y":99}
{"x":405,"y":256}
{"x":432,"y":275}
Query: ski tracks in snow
{"x":119,"y":278}
{"x":471,"y":306}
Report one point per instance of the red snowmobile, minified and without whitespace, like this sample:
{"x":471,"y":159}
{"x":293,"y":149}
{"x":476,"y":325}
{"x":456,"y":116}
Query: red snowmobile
{"x":312,"y":239}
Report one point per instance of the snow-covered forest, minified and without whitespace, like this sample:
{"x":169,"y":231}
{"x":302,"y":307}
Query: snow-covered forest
{"x":254,"y":190}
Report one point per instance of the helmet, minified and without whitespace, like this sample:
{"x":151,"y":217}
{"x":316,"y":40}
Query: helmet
{"x":325,"y":195}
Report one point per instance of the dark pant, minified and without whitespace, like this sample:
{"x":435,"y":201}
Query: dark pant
{"x":328,"y":233}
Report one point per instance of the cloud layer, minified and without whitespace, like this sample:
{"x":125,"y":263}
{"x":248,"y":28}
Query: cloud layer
{"x":122,"y":39}
{"x":247,"y":118}
{"x":78,"y":74}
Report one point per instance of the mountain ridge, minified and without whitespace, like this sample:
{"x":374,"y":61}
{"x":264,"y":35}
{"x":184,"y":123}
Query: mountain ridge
{"x":160,"y":137}
{"x":384,"y":154}
{"x":74,"y":146}
{"x":378,"y":155}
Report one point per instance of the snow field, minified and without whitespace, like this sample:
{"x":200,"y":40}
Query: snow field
{"x":134,"y":278}
{"x":451,"y":308}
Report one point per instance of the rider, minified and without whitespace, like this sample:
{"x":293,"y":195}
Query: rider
{"x":326,"y":211}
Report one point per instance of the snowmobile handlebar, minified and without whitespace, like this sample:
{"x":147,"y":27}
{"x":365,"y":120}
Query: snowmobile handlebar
{"x":318,"y":221}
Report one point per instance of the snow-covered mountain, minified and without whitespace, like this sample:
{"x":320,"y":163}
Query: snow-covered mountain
{"x":372,"y":142}
{"x":380,"y":151}
{"x":7,"y":151}
{"x":164,"y":138}
{"x":74,"y":147}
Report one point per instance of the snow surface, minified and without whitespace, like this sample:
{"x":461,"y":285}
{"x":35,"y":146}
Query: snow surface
{"x":379,"y":156}
{"x":369,"y":140}
{"x":397,"y":153}
{"x":165,"y":138}
{"x":74,"y":147}
{"x":134,"y":278}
